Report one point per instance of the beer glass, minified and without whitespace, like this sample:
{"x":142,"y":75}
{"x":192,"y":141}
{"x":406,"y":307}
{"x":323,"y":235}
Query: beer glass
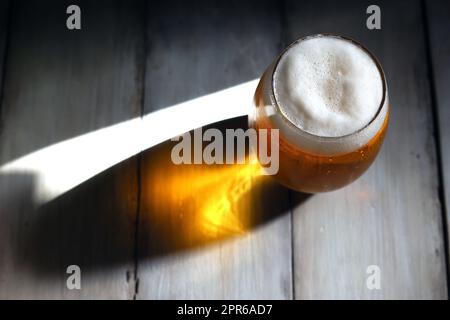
{"x":311,"y":162}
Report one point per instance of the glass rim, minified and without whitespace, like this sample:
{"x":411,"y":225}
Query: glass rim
{"x":362,"y":47}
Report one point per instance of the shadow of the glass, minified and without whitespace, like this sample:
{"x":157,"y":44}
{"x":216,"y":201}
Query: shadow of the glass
{"x":180,"y":207}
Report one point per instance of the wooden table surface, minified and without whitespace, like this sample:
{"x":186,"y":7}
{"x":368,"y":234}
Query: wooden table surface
{"x":137,"y":230}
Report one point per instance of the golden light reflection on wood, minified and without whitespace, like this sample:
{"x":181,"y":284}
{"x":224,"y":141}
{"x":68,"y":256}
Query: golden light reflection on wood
{"x":220,"y":212}
{"x":191,"y":205}
{"x":207,"y":202}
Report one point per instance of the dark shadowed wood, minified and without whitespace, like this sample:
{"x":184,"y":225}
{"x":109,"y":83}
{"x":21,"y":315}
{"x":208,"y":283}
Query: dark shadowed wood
{"x":196,"y":48}
{"x":4,"y":14}
{"x":61,"y":84}
{"x":438,"y":26}
{"x":390,"y":217}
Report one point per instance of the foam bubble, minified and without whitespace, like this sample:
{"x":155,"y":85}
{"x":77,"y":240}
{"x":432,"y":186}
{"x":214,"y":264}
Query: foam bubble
{"x":328,"y":86}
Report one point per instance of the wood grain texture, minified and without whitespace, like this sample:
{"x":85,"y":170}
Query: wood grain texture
{"x":439,"y":24}
{"x":61,"y":84}
{"x":391,"y":217}
{"x":195,"y":49}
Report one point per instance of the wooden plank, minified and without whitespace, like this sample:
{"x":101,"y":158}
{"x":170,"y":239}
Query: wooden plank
{"x":390,"y":217}
{"x":439,"y":24}
{"x":61,"y":84}
{"x":187,"y":250}
{"x":4,"y":15}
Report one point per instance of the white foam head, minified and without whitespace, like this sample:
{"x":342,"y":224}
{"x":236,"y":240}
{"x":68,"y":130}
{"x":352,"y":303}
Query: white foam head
{"x":328,"y":86}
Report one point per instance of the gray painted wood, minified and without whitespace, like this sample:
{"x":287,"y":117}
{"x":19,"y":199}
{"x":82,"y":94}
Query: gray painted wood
{"x":61,"y":84}
{"x":196,"y":49}
{"x":391,"y":217}
{"x":439,"y":24}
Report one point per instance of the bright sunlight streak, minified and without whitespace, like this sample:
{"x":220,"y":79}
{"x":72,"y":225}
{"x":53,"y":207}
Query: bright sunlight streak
{"x":64,"y":165}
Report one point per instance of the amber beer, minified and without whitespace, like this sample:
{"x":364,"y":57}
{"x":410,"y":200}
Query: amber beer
{"x":327,"y":95}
